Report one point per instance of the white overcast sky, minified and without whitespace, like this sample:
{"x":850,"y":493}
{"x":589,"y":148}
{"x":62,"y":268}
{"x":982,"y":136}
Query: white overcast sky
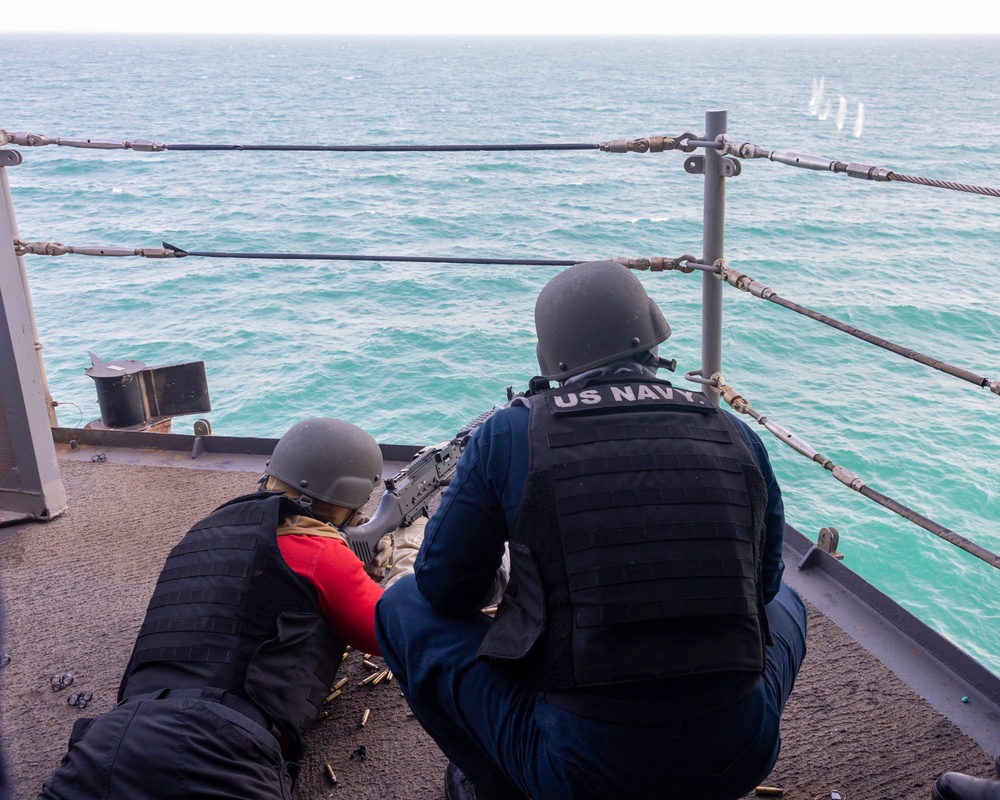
{"x":508,"y":17}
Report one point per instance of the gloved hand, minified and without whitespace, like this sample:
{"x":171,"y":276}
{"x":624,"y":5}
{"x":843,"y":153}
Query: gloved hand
{"x":406,"y":545}
{"x":378,"y":567}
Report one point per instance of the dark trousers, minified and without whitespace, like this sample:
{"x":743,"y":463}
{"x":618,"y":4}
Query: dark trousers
{"x":511,"y":742}
{"x":169,"y":749}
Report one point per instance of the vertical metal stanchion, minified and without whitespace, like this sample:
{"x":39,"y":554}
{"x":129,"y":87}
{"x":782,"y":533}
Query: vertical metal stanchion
{"x":29,"y":475}
{"x":712,"y":249}
{"x":8,"y":202}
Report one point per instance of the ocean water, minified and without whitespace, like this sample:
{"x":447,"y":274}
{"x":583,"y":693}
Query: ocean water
{"x":413,"y":351}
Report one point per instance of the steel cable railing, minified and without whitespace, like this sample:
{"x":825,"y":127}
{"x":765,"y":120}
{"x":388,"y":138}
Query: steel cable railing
{"x":758,"y":289}
{"x":650,"y":144}
{"x":741,"y":405}
{"x":869,"y":172}
{"x":685,"y":263}
{"x":686,"y":142}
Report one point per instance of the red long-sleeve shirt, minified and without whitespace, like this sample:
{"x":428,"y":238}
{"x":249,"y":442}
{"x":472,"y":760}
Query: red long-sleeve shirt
{"x":347,"y":596}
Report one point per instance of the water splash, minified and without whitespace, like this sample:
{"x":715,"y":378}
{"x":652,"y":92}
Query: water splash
{"x":842,"y":113}
{"x":825,"y":113}
{"x":859,"y":121}
{"x":817,"y":95}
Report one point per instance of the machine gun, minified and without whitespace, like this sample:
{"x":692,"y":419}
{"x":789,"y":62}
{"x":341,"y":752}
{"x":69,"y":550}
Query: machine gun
{"x":409,"y":492}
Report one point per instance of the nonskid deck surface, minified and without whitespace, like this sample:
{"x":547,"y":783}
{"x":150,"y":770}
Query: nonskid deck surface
{"x":76,"y":589}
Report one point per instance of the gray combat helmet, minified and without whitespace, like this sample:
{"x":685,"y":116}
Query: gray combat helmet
{"x":592,"y":314}
{"x":328,"y":460}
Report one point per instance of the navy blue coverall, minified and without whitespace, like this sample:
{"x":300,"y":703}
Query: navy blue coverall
{"x":505,"y":736}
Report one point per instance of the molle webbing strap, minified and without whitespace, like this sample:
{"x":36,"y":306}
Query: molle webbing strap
{"x":682,"y":608}
{"x":628,"y":573}
{"x":227,"y":597}
{"x":637,"y":534}
{"x":231,"y":517}
{"x":216,"y":544}
{"x":641,"y":463}
{"x":651,"y":496}
{"x":214,"y":655}
{"x":213,"y":543}
{"x":619,"y":433}
{"x":210,"y":624}
{"x":226,"y":569}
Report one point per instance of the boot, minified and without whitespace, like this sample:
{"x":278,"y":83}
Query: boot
{"x":958,"y":786}
{"x":456,"y":785}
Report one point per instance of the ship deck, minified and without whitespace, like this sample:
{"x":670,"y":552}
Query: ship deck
{"x":877,"y":711}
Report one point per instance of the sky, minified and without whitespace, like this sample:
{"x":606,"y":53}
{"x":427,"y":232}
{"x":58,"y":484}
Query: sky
{"x":511,"y":17}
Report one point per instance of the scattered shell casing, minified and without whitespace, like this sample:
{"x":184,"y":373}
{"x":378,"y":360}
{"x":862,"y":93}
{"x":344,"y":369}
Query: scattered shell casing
{"x":61,"y":681}
{"x":370,"y":664}
{"x":769,"y":791}
{"x":330,"y":774}
{"x":369,"y":679}
{"x":381,"y":677}
{"x":388,"y":677}
{"x":322,"y":715}
{"x":339,"y":684}
{"x":364,"y":717}
{"x":344,"y":657}
{"x":333,"y":696}
{"x":409,"y":715}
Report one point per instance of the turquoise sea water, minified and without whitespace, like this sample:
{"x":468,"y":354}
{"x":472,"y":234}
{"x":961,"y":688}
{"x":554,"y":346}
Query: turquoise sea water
{"x":413,"y":351}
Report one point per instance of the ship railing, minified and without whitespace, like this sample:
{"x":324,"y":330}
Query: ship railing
{"x":721,"y":159}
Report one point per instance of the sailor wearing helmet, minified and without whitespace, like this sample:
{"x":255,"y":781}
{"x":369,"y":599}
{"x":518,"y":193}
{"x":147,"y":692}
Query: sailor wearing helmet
{"x":243,"y":635}
{"x":645,"y":645}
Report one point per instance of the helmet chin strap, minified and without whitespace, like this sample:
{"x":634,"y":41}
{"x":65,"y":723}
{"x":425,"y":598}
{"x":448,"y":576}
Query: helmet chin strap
{"x":306,"y":504}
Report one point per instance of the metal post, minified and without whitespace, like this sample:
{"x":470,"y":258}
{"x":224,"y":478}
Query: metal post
{"x":8,"y":201}
{"x":29,"y":475}
{"x":712,"y":249}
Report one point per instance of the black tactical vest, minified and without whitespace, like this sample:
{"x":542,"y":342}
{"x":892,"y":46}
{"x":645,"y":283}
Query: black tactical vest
{"x":635,"y":552}
{"x":229,"y":613}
